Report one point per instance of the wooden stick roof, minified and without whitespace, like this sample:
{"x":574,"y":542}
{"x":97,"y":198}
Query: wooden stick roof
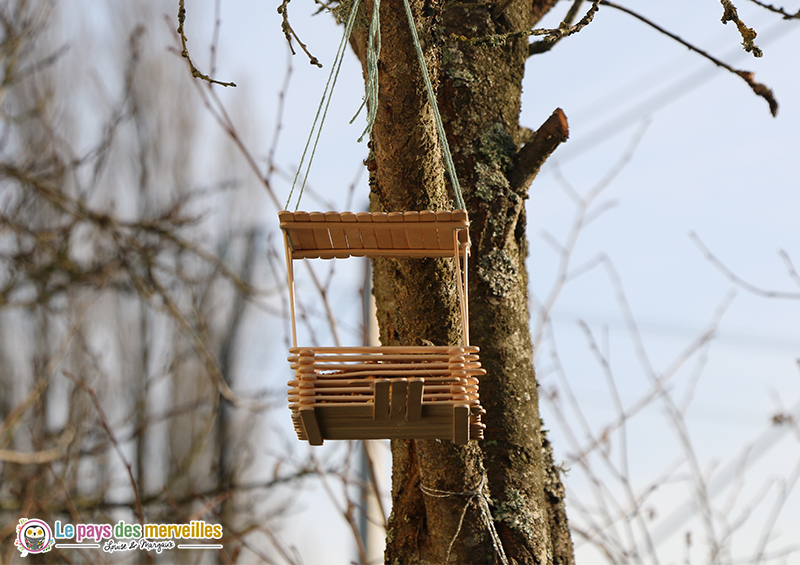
{"x":328,"y":235}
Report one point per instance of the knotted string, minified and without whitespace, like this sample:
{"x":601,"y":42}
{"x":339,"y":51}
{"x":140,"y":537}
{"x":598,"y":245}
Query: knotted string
{"x":486,"y":515}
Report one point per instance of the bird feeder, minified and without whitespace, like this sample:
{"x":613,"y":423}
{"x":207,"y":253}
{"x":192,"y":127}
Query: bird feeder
{"x":383,"y":392}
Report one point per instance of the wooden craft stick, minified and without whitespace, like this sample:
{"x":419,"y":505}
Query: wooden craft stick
{"x":340,"y":370}
{"x":381,"y":359}
{"x":398,"y":233}
{"x":445,"y":235}
{"x":460,"y":424}
{"x":413,"y":230}
{"x":311,"y":426}
{"x":382,"y":231}
{"x":333,"y":381}
{"x":305,"y":236}
{"x":344,"y":410}
{"x":430,"y":234}
{"x":398,"y":401}
{"x":382,"y":399}
{"x":286,"y":216}
{"x":444,"y":400}
{"x":338,"y":239}
{"x":460,"y":216}
{"x":388,"y":372}
{"x":462,"y":296}
{"x":381,"y":349}
{"x":391,"y":433}
{"x":290,"y":284}
{"x":368,"y":236}
{"x":321,"y":400}
{"x":399,"y":224}
{"x":322,"y":365}
{"x":352,"y":233}
{"x":321,"y":235}
{"x":387,"y":251}
{"x":323,"y":392}
{"x":414,"y":399}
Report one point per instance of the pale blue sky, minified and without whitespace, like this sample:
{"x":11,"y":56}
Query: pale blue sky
{"x":712,"y":161}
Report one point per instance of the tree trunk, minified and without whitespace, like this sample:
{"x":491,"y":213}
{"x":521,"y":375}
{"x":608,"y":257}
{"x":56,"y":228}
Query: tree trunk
{"x":479,"y":87}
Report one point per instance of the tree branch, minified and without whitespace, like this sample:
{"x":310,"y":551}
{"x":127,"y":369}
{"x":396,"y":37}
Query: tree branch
{"x":543,"y":45}
{"x":185,"y":51}
{"x":782,"y":11}
{"x":289,"y":33}
{"x":533,"y":154}
{"x":740,"y":282}
{"x":748,"y":34}
{"x":760,"y":89}
{"x":550,"y":35}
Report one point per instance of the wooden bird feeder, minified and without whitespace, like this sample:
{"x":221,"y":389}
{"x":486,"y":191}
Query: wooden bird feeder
{"x":384,"y":392}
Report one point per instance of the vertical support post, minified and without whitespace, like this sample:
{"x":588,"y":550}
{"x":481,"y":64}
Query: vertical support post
{"x":462,"y":295}
{"x":306,"y":375}
{"x":290,"y":279}
{"x":458,"y":394}
{"x":466,"y":291}
{"x":460,"y":424}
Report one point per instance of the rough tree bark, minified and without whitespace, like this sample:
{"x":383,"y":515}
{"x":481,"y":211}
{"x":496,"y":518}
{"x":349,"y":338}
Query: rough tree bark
{"x":479,"y":89}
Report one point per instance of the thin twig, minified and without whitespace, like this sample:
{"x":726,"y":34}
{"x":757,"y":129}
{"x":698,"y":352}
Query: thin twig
{"x":730,"y":14}
{"x":550,"y":34}
{"x":782,"y":11}
{"x":735,"y":279}
{"x":137,"y":503}
{"x":185,"y":51}
{"x":543,"y":46}
{"x":289,"y":33}
{"x":747,"y":76}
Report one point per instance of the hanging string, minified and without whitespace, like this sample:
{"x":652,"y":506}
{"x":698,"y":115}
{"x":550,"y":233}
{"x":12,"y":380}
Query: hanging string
{"x":448,"y":158}
{"x":371,"y":98}
{"x":373,"y":54}
{"x":486,"y":515}
{"x":328,"y":92}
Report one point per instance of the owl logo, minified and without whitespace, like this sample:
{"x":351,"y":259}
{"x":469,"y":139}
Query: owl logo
{"x":33,"y":536}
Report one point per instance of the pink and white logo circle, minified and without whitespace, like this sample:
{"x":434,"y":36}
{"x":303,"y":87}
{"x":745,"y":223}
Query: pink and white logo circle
{"x":33,"y":536}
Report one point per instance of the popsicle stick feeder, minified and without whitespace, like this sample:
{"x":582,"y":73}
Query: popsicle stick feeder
{"x":383,"y":392}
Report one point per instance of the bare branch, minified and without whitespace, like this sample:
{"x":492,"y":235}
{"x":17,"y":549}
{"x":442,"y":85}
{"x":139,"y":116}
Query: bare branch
{"x":747,"y":76}
{"x":185,"y":51}
{"x":39,"y":457}
{"x":289,"y":33}
{"x":782,"y":11}
{"x":138,"y":509}
{"x":542,"y":46}
{"x":550,"y":35}
{"x":530,"y":158}
{"x":735,"y":279}
{"x":748,"y":34}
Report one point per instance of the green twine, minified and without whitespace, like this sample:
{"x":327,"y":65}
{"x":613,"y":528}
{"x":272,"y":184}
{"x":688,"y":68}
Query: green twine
{"x":337,"y":64}
{"x":371,"y":97}
{"x":448,"y":158}
{"x":373,"y":54}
